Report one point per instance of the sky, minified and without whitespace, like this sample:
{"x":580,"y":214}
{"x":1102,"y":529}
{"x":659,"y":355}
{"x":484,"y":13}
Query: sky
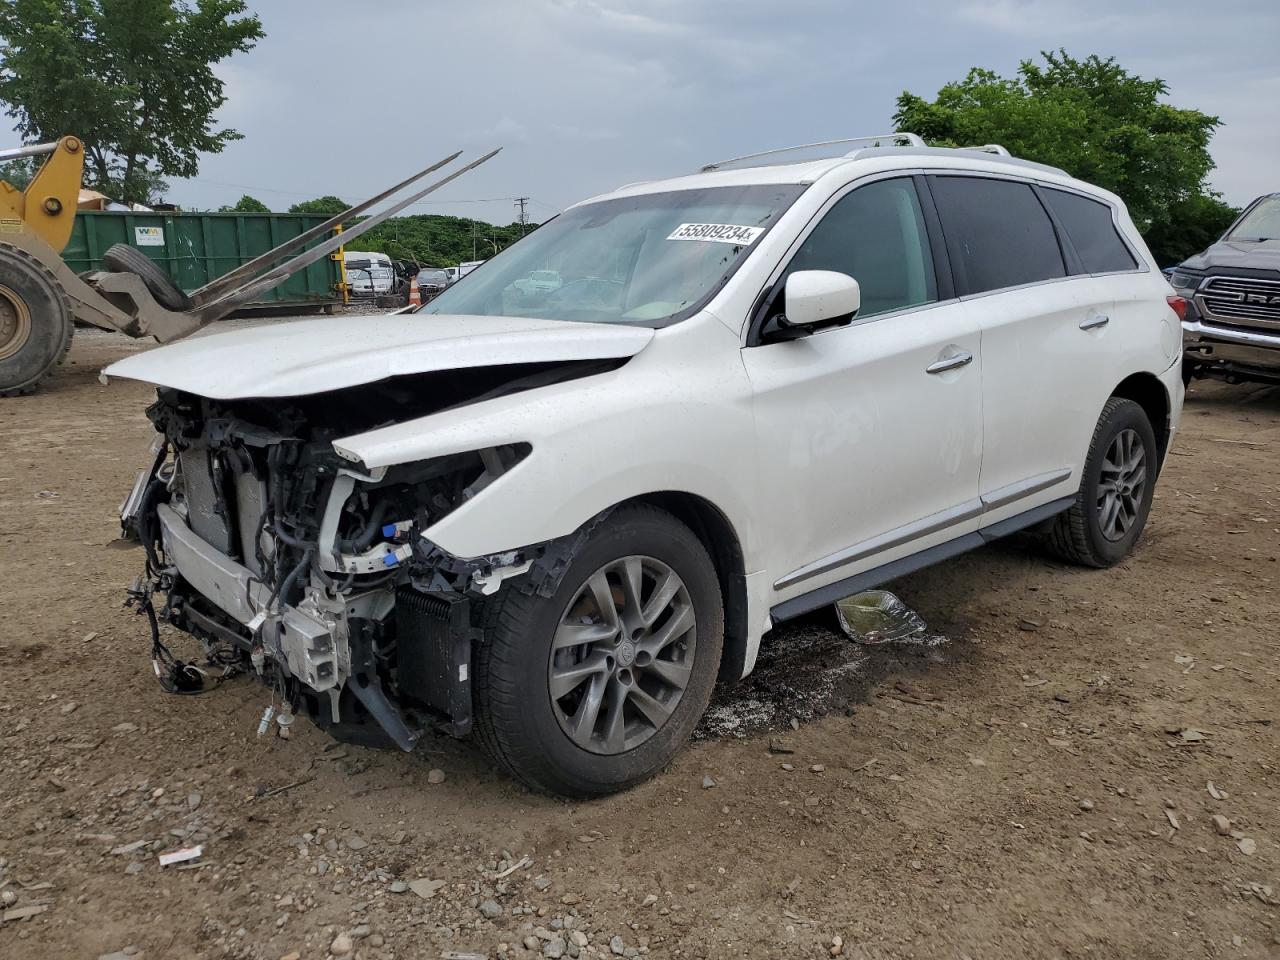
{"x":584,"y":95}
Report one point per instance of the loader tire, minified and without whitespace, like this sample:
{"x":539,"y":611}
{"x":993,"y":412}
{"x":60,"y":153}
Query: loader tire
{"x":35,"y":322}
{"x":123,"y":258}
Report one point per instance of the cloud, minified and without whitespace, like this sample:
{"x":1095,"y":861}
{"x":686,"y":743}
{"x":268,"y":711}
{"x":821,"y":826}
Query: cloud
{"x":1037,"y":18}
{"x":588,"y":94}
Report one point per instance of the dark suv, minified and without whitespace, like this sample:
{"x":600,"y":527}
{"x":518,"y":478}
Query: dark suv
{"x":1232,"y":327}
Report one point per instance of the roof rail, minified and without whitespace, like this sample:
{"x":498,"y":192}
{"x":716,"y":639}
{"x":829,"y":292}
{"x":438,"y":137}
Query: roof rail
{"x":882,"y":140}
{"x":974,"y":153}
{"x":995,"y":148}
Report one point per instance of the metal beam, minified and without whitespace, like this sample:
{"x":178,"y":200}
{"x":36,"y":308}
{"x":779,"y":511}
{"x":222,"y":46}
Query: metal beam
{"x":35,"y":150}
{"x":232,"y":299}
{"x":212,"y":289}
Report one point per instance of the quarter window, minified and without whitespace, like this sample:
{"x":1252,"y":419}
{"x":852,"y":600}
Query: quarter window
{"x":998,"y":234}
{"x":876,"y":235}
{"x":1092,"y":232}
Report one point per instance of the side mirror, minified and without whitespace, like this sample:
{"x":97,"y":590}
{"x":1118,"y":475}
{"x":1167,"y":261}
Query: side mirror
{"x":817,"y":297}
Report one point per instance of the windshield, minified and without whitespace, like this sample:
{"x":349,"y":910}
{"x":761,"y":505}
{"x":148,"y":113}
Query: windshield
{"x":1260,"y":223}
{"x":652,"y":259}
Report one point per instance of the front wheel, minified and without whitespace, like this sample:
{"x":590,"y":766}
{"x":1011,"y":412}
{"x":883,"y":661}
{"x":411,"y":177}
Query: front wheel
{"x":1115,"y":493}
{"x":597,"y":687}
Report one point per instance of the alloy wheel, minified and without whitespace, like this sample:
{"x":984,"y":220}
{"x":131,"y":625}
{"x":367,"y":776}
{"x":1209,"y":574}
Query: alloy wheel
{"x":622,"y":655}
{"x":1122,"y":484}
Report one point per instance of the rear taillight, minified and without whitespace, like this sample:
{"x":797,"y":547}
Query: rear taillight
{"x":1179,"y":306}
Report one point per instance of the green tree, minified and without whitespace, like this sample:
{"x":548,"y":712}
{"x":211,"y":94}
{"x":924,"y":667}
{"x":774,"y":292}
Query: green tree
{"x":327,"y":205}
{"x":132,"y":78}
{"x":247,"y":204}
{"x":1193,"y":224}
{"x":18,"y":173}
{"x":1090,"y":117}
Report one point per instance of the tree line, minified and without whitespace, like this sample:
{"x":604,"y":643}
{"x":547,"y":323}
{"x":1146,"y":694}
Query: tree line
{"x":429,"y":239}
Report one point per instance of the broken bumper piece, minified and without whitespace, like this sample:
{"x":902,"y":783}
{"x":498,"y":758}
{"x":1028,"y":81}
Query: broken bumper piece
{"x":332,"y":646}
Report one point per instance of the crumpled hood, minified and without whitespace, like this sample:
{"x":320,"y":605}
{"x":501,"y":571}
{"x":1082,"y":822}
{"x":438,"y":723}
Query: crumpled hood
{"x":1256,"y":255}
{"x":328,"y":353}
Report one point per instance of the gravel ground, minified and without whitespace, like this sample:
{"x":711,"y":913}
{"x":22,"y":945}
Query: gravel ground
{"x":1086,"y":767}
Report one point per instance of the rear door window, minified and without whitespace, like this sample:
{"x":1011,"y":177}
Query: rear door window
{"x":997,"y":232}
{"x":1092,"y":231}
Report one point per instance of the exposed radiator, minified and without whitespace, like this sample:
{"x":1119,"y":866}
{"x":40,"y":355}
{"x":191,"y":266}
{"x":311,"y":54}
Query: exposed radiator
{"x":433,"y":653}
{"x":207,"y":516}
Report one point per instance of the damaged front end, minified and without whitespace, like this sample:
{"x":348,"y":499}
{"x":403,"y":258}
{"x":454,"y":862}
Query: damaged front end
{"x":286,"y":560}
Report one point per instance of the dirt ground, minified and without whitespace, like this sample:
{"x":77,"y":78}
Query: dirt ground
{"x":1041,"y":785}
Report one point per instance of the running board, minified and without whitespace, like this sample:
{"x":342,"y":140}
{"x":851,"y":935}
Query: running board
{"x":868,"y":579}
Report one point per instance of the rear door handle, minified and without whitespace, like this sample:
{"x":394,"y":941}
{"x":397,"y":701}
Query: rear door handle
{"x":949,"y":363}
{"x":1094,"y":321}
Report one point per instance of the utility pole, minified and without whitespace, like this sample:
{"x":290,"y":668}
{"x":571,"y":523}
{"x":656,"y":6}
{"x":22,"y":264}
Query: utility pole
{"x":524,"y":217}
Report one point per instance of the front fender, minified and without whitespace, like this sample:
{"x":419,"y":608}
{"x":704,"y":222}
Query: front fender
{"x":677,"y":417}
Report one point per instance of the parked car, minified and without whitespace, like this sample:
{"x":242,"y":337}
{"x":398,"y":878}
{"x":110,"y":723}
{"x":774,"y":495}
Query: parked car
{"x":432,"y":282}
{"x":454,"y":274}
{"x":369,"y":275}
{"x":1232,"y":327}
{"x":556,"y":524}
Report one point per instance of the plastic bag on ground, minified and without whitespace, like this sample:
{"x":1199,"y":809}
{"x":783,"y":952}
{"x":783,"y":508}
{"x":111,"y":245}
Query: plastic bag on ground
{"x":877,"y":616}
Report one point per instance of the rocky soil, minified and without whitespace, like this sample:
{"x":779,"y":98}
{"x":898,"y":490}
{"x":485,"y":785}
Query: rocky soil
{"x":1087,"y":767}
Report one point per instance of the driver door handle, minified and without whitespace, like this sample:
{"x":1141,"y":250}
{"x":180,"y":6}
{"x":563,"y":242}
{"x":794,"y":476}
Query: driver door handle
{"x":1094,"y":321}
{"x":949,"y":363}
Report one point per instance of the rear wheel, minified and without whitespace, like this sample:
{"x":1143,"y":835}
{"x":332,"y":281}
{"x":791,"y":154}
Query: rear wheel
{"x":123,"y":258}
{"x":595,"y":688}
{"x":1115,"y":494}
{"x":35,"y":322}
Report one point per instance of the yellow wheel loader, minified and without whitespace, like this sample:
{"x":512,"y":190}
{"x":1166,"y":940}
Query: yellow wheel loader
{"x":41,"y":297}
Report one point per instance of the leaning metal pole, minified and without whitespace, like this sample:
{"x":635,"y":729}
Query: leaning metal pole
{"x":214,"y":288}
{"x":230,"y":300}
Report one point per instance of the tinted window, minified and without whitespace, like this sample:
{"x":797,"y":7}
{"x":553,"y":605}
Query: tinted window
{"x":997,"y":233}
{"x":1092,"y":231}
{"x":876,"y":235}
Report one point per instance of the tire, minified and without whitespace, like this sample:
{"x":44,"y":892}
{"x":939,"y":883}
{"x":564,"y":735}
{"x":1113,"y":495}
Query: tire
{"x":519,"y":719}
{"x":1188,"y":372}
{"x":35,"y":322}
{"x":1092,"y":533}
{"x":123,"y":258}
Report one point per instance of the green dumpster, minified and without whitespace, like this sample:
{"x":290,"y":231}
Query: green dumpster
{"x":195,"y":248}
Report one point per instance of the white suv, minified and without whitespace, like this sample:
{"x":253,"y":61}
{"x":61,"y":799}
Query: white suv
{"x":757,"y":389}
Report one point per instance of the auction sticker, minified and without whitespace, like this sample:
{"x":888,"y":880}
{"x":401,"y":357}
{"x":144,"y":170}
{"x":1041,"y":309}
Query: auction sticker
{"x":717,"y":233}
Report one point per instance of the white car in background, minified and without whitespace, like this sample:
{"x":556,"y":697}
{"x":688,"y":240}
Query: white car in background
{"x":368,"y":274}
{"x":760,"y":388}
